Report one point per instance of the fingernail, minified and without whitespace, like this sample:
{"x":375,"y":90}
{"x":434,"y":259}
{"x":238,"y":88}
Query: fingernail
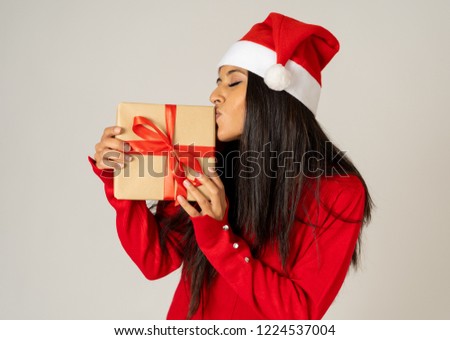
{"x":117,"y":129}
{"x":186,"y":183}
{"x":196,"y":174}
{"x":127,"y":147}
{"x":180,"y":198}
{"x":128,"y":158}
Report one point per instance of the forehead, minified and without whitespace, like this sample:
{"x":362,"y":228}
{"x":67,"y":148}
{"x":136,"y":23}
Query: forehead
{"x":227,"y":70}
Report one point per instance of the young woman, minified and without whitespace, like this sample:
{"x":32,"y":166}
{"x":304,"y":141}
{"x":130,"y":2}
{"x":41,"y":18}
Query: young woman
{"x":283,"y":223}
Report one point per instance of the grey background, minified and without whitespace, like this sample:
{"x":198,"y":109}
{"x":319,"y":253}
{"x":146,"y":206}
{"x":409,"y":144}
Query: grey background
{"x":65,"y":65}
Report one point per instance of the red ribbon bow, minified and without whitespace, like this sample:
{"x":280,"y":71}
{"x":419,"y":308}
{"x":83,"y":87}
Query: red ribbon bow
{"x":156,"y":142}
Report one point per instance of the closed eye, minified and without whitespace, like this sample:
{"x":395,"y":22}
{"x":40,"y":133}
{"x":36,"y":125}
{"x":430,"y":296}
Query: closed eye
{"x":234,"y":84}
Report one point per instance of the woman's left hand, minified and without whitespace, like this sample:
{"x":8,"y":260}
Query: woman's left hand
{"x":216,"y":206}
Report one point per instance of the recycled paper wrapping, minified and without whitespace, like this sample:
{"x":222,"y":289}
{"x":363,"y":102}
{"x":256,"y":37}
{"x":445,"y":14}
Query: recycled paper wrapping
{"x":145,"y":177}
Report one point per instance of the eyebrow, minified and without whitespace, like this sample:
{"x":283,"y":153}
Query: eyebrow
{"x":228,"y":73}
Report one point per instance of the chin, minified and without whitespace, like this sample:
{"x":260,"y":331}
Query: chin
{"x":223,"y":137}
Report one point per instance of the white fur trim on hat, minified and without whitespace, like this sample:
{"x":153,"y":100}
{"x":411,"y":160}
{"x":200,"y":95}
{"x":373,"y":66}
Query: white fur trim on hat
{"x":259,"y":59}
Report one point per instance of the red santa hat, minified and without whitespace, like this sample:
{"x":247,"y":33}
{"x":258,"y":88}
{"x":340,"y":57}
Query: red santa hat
{"x":288,"y":54}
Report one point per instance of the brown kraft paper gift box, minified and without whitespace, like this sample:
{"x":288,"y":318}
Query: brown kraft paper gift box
{"x":148,"y":175}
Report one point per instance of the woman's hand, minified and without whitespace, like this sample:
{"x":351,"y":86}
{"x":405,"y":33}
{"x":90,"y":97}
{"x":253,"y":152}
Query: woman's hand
{"x":216,"y":207}
{"x":109,"y":152}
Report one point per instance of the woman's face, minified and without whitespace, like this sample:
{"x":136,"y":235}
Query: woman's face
{"x":229,"y":101}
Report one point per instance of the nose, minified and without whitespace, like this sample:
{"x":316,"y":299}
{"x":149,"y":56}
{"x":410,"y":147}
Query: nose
{"x":216,"y":97}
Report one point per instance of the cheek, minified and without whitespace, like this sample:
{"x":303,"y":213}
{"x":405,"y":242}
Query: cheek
{"x":230,"y":127}
{"x":231,"y":124}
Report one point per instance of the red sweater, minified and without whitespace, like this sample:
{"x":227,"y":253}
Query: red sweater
{"x":245,"y":287}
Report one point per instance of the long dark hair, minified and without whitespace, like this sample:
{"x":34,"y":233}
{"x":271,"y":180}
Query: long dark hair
{"x":263,"y":196}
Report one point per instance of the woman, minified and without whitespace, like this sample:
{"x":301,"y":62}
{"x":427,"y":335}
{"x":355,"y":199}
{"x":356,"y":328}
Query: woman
{"x":280,"y":230}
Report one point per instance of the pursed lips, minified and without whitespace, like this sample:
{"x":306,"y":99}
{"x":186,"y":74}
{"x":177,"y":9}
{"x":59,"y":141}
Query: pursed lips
{"x":218,"y":113}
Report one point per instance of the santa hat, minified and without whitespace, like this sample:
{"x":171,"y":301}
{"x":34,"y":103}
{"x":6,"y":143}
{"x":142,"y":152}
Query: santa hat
{"x":288,"y":54}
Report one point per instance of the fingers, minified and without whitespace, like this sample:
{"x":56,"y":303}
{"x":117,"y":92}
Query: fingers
{"x":216,"y":208}
{"x":113,"y":144}
{"x":201,"y":199}
{"x":214,"y":176}
{"x":187,"y":207}
{"x":111,"y":131}
{"x":109,"y":152}
{"x":213,"y":184}
{"x":210,"y":186}
{"x":111,"y":159}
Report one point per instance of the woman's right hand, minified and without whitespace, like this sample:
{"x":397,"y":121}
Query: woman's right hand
{"x":109,"y":152}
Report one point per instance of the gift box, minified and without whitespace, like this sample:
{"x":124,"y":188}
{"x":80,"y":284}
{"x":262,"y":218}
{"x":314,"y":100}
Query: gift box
{"x":169,"y":143}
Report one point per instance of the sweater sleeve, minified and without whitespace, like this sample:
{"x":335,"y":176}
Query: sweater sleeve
{"x":318,"y":261}
{"x":138,"y":231}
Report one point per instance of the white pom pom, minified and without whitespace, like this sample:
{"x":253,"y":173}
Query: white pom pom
{"x":277,"y":77}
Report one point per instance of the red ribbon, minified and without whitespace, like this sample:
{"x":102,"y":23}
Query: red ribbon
{"x":156,"y":142}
